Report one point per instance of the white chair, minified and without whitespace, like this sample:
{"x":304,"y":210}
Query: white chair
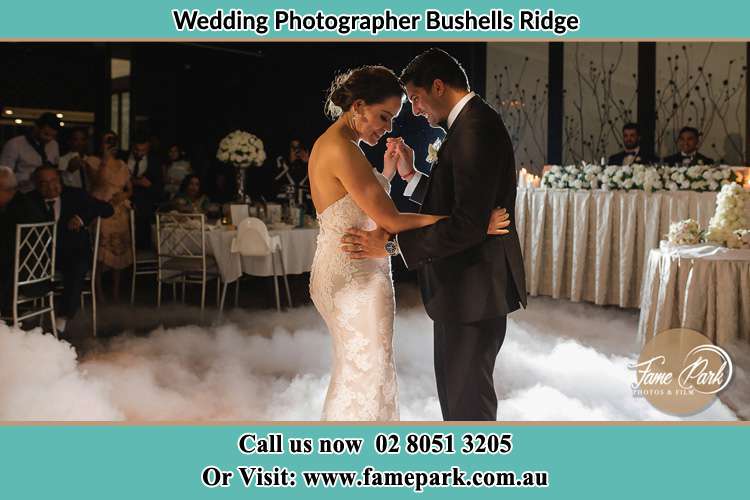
{"x":34,"y":263}
{"x":181,"y":253}
{"x":145,"y":262}
{"x":253,"y":240}
{"x":90,"y":286}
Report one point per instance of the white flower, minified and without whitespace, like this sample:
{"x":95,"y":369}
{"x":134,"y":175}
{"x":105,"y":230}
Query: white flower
{"x":241,"y":149}
{"x":686,"y":232}
{"x":432,"y":151}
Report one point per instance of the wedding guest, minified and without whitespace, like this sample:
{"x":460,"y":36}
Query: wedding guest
{"x":147,"y":179}
{"x":73,"y":209}
{"x":688,"y":155}
{"x":175,"y":169}
{"x":632,"y":153}
{"x":15,"y":208}
{"x":74,"y":164}
{"x":222,"y":185}
{"x":191,"y":199}
{"x":111,"y":183}
{"x":27,"y":152}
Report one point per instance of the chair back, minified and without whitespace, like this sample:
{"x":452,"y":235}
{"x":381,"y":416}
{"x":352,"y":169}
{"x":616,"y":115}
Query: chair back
{"x":252,"y":239}
{"x":239,"y":212}
{"x":35,"y":254}
{"x":181,"y":235}
{"x":96,"y":226}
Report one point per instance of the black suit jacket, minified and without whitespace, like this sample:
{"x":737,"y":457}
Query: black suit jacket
{"x":642,"y":158}
{"x":466,"y":275}
{"x":74,"y":201}
{"x":698,"y":159}
{"x":145,"y":199}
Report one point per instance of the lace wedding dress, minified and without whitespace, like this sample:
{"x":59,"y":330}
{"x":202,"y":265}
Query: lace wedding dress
{"x":356,"y":300}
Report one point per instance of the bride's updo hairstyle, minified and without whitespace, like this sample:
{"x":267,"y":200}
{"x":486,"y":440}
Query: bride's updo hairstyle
{"x":372,"y":84}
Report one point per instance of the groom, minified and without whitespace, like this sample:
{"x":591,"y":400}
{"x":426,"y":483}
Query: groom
{"x":470,"y":281}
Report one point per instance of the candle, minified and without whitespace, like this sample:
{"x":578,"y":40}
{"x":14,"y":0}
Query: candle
{"x":522,"y":178}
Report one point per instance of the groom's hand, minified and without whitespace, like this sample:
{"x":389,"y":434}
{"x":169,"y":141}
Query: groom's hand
{"x":359,"y":244}
{"x":499,"y":222}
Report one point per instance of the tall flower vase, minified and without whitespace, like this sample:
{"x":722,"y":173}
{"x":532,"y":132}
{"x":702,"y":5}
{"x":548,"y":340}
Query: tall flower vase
{"x":241,"y":197}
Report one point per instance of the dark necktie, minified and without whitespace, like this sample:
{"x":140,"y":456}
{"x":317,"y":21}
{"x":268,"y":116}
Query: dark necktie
{"x":51,"y":208}
{"x":39,"y":148}
{"x":444,"y":125}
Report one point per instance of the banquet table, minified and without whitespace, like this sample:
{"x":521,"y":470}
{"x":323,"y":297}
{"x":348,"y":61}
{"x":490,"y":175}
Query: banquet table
{"x":592,"y":245}
{"x":298,"y":249}
{"x":701,"y":287}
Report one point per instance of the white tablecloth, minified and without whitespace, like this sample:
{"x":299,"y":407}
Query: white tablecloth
{"x":701,"y":287}
{"x":593,"y":245}
{"x":298,"y":250}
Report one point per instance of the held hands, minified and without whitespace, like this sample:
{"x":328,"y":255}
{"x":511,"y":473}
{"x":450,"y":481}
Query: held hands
{"x":399,"y":156}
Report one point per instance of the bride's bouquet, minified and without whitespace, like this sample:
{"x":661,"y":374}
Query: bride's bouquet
{"x":685,"y":232}
{"x":241,"y":149}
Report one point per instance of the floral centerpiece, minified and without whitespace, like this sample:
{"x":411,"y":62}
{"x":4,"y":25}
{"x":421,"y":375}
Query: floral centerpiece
{"x":730,"y":216}
{"x":685,"y":232}
{"x":241,"y":150}
{"x":639,"y":177}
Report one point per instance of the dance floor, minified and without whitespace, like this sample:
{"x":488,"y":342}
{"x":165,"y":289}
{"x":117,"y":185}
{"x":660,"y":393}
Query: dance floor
{"x":560,"y":361}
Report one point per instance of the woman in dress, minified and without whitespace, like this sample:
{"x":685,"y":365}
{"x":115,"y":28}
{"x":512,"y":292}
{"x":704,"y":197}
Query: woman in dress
{"x":111,"y":182}
{"x":190,"y":198}
{"x":175,"y":170}
{"x":356,"y":297}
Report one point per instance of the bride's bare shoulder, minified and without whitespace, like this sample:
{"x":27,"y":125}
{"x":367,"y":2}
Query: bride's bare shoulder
{"x":333,"y":147}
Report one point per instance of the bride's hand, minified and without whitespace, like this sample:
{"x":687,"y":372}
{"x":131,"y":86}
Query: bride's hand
{"x":390,"y":161}
{"x":499,"y":222}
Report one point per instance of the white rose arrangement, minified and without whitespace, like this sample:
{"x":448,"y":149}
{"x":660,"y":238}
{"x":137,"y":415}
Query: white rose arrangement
{"x":241,"y":149}
{"x":685,"y":232}
{"x":639,"y":177}
{"x":729,"y":217}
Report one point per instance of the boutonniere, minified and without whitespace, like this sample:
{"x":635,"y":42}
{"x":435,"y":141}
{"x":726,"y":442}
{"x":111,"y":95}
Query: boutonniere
{"x":432,"y":151}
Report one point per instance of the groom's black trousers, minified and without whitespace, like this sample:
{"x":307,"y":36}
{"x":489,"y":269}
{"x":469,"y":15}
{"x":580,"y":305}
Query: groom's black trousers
{"x":465,"y":356}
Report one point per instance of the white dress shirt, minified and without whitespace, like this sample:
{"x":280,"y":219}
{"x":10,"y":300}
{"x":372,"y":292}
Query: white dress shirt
{"x":412,"y":184}
{"x":55,"y":207}
{"x":21,"y":156}
{"x":142,"y":166}
{"x":72,"y":179}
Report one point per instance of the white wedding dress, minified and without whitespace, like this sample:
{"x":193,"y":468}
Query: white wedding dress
{"x":356,"y":300}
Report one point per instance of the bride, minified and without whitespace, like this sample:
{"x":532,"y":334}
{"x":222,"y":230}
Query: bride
{"x":355,"y":297}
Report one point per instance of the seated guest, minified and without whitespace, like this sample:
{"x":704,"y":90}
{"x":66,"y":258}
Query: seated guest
{"x":687,"y":143}
{"x":15,"y":208}
{"x":74,"y":164}
{"x":175,"y":170}
{"x":27,"y":152}
{"x":191,"y":199}
{"x":632,"y":154}
{"x":147,"y":179}
{"x":73,"y":209}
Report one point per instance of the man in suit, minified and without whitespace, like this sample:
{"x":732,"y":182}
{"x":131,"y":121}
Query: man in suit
{"x":470,"y":281}
{"x":74,"y":210}
{"x":688,"y":155}
{"x":15,"y":208}
{"x":148,"y":187}
{"x":632,"y":154}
